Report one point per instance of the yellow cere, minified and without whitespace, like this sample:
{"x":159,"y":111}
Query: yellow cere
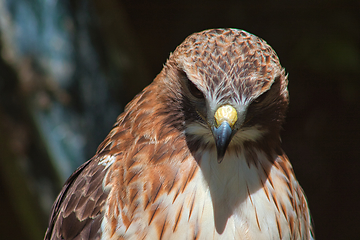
{"x":225,"y":113}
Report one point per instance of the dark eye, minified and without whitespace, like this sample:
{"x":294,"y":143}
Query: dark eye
{"x":261,"y":98}
{"x":194,"y":90}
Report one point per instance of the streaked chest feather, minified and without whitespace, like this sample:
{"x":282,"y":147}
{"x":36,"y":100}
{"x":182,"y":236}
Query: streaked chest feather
{"x":232,"y":200}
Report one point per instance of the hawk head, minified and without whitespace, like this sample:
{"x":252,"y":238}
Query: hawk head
{"x":232,"y":90}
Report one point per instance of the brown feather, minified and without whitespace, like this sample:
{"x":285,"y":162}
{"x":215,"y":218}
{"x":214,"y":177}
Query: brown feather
{"x":78,"y":208}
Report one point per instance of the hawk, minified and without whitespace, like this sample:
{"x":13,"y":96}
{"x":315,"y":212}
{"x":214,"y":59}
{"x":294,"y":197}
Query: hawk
{"x":195,"y":155}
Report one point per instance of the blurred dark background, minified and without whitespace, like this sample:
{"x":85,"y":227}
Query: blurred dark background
{"x":68,"y":68}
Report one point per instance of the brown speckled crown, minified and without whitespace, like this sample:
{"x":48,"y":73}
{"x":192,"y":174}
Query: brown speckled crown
{"x":248,"y":62}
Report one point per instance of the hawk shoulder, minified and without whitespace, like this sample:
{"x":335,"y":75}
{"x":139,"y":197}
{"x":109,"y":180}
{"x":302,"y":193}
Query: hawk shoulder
{"x":77,"y":212}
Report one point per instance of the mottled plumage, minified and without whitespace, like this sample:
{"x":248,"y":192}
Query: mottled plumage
{"x":196,"y":155}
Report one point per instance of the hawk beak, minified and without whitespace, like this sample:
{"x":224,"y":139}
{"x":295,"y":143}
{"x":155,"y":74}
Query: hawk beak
{"x":225,"y":117}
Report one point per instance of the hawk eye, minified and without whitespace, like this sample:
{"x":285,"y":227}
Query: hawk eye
{"x":261,"y":98}
{"x":194,"y":90}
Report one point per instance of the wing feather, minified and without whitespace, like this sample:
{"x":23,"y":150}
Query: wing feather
{"x":77,"y":211}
